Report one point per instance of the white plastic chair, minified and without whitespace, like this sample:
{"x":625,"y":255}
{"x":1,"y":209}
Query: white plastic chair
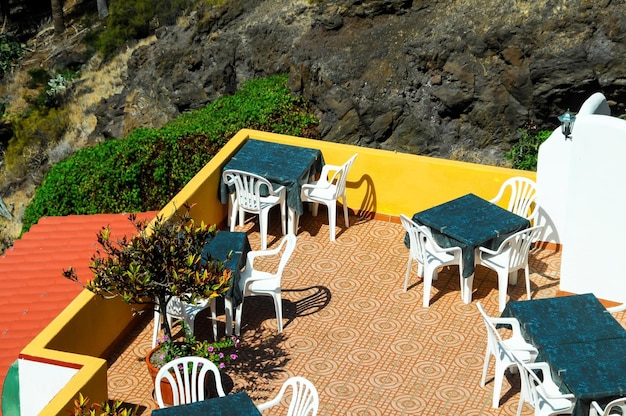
{"x":503,"y":350}
{"x":542,"y":393}
{"x":304,"y":398}
{"x":327,"y":190}
{"x":187,"y":376}
{"x":511,"y":256}
{"x":522,"y":199}
{"x":177,"y":309}
{"x":614,"y":408}
{"x":248,"y":197}
{"x":261,"y":283}
{"x":429,"y":255}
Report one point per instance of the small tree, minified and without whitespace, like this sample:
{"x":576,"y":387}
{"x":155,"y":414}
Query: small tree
{"x":159,"y":262}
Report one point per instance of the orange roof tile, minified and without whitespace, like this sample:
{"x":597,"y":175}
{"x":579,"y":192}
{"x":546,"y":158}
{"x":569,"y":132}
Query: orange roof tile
{"x":32,"y":290}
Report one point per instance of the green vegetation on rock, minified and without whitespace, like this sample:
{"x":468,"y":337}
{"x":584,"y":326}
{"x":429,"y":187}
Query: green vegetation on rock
{"x":146,"y":169}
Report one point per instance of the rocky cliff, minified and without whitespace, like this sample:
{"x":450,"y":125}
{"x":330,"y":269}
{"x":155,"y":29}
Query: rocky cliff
{"x":425,"y":76}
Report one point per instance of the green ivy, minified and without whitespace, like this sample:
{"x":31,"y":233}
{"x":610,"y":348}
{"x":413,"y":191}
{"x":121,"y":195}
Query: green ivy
{"x":524,"y":154}
{"x":10,"y":52}
{"x":145,"y":170}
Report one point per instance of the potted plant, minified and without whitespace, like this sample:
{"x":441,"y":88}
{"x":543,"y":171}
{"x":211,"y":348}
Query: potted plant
{"x":163,"y":260}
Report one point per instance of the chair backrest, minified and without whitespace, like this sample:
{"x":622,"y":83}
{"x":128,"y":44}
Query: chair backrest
{"x":532,"y":385}
{"x":187,"y":377}
{"x":523,"y":199}
{"x":615,"y":407}
{"x":342,"y":175}
{"x":493,"y":337}
{"x":304,"y":398}
{"x":416,"y":244}
{"x":517,"y":246}
{"x":290,"y":240}
{"x":248,"y":187}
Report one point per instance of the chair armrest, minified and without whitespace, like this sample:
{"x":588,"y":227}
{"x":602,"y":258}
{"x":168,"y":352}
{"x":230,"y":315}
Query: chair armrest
{"x":595,"y":409}
{"x":513,"y":322}
{"x":486,"y":250}
{"x":278,"y":190}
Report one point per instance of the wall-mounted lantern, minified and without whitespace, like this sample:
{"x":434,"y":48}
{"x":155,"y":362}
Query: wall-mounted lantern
{"x":567,"y":123}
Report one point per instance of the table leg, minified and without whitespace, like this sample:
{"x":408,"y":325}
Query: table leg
{"x":292,"y":221}
{"x":466,"y":288}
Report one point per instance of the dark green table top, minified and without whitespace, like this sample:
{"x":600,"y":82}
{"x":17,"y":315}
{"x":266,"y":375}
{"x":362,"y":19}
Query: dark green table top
{"x":581,"y":341}
{"x":238,"y":404}
{"x":281,"y":164}
{"x":237,"y":245}
{"x":469,"y":222}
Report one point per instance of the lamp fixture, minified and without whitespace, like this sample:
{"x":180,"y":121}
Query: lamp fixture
{"x":567,"y":123}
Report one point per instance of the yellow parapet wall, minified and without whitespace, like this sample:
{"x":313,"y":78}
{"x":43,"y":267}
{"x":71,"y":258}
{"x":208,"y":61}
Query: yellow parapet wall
{"x":381,"y":184}
{"x":83,"y":333}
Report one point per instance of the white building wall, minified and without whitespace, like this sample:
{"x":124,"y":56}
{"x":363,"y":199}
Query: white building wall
{"x":581,"y":188}
{"x":39,"y":383}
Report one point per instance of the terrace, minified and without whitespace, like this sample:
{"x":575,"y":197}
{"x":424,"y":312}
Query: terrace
{"x":369,"y":347}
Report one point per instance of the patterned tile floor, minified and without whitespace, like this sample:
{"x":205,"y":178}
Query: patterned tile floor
{"x":369,"y":348}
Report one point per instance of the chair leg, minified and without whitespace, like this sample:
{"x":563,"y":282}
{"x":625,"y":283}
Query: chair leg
{"x":315,"y":208}
{"x":213,"y":306}
{"x":157,"y":326}
{"x":332,"y":219}
{"x":483,"y":380}
{"x":527,"y":276}
{"x":228,"y":312}
{"x":238,"y":314}
{"x":233,"y":217}
{"x":503,"y":284}
{"x":428,"y":282}
{"x":263,"y":227}
{"x":345,"y":211}
{"x":497,"y":385}
{"x":278,"y":306}
{"x":283,"y":216}
{"x":408,"y":272}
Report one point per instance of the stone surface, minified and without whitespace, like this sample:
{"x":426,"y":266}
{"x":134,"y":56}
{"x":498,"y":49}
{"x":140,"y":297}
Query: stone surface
{"x":427,"y":77}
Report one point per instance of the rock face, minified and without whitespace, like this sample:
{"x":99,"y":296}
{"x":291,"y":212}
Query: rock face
{"x":429,"y":77}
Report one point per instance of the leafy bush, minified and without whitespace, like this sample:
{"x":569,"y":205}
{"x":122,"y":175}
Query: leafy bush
{"x":525,"y":153}
{"x":10,"y":52}
{"x":136,"y":19}
{"x":146,"y":169}
{"x":32,"y":134}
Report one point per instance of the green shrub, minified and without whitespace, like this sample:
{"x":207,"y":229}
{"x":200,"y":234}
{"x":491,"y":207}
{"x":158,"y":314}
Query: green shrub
{"x":32,"y":134}
{"x":10,"y":52}
{"x":525,"y":153}
{"x":146,"y":169}
{"x":136,"y":19}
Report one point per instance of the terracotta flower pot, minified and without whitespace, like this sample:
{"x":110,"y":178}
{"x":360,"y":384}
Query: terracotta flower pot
{"x":166,"y":388}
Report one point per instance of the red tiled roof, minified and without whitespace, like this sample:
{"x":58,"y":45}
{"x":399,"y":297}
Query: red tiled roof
{"x":32,"y":290}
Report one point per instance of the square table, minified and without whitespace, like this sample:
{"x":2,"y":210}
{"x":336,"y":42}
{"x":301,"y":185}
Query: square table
{"x":582,"y":343}
{"x":238,"y":404}
{"x":237,"y":245}
{"x":282,"y":165}
{"x":469,"y":222}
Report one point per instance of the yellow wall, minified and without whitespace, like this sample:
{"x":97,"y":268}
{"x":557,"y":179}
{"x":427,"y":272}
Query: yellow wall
{"x":380,"y":182}
{"x":383,"y":182}
{"x":85,"y":330}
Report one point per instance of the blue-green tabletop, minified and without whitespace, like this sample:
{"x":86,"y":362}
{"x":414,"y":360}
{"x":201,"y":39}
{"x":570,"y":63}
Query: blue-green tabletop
{"x":238,"y":404}
{"x":580,"y":340}
{"x":469,"y":222}
{"x":236,"y":245}
{"x":281,"y":164}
